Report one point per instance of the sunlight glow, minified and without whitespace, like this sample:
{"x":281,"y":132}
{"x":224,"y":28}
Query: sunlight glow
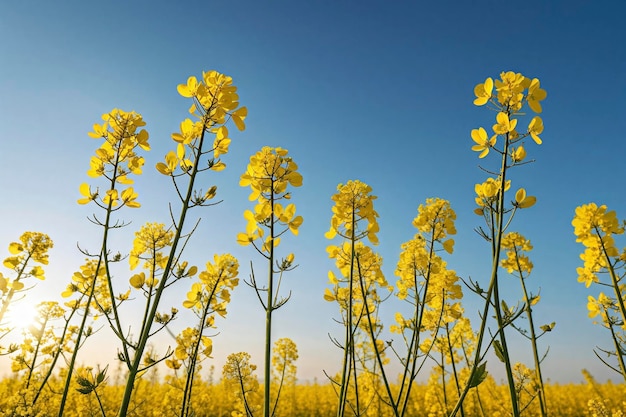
{"x":21,"y":315}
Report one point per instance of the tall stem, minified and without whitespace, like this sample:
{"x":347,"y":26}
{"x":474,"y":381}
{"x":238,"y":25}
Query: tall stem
{"x":496,"y":238}
{"x":348,"y":345}
{"x":145,"y":333}
{"x":269,"y":308}
{"x":533,"y":338}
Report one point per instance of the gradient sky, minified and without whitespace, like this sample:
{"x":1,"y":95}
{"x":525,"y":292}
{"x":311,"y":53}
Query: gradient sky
{"x":369,"y":90}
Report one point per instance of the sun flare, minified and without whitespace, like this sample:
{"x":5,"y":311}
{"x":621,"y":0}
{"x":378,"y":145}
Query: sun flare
{"x":20,"y":315}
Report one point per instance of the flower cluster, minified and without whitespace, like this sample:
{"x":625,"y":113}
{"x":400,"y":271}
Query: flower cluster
{"x":116,"y":159}
{"x":512,"y":91}
{"x":90,"y":280}
{"x":187,"y":342}
{"x":212,"y":292}
{"x":33,"y":246}
{"x":284,"y":356}
{"x":151,"y":238}
{"x":424,"y":278}
{"x":595,"y":228}
{"x":215,"y":101}
{"x":366,"y":265}
{"x":268,"y":175}
{"x":354,"y":205}
{"x":516,"y":260}
{"x":435,"y":222}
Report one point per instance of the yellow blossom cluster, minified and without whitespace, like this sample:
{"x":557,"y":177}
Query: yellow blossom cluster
{"x":602,"y":306}
{"x":40,"y":344}
{"x":33,"y":246}
{"x":364,"y":264}
{"x":190,"y":344}
{"x":151,"y":238}
{"x":215,"y":101}
{"x":595,"y":228}
{"x":215,"y":397}
{"x":268,"y":175}
{"x":284,"y":356}
{"x":488,"y":196}
{"x":354,"y":205}
{"x":240,"y":384}
{"x":116,"y":158}
{"x":423,"y":275}
{"x":212,"y":292}
{"x":91,"y":282}
{"x":515,"y":245}
{"x":512,"y":91}
{"x":354,"y":219}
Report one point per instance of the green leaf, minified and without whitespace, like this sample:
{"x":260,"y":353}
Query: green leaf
{"x":101,"y":375}
{"x":479,"y":375}
{"x":505,"y":308}
{"x":548,"y":327}
{"x":497,"y":347}
{"x":85,"y":390}
{"x":84,"y":382}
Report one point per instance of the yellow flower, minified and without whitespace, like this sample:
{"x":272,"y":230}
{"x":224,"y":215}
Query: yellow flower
{"x":510,"y":89}
{"x":268,"y":175}
{"x":354,"y":205}
{"x":523,"y":201}
{"x":188,"y":90}
{"x":518,"y":154}
{"x":128,"y":197}
{"x":239,"y":116}
{"x":483,"y":92}
{"x":111,"y":198}
{"x":170,"y":166}
{"x":151,"y":238}
{"x":88,"y":196}
{"x":535,"y":95}
{"x":504,"y":125}
{"x":535,"y":128}
{"x":488,"y":191}
{"x":483,"y":143}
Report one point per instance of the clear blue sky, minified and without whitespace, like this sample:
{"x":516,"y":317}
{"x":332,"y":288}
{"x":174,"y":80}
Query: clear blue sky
{"x":376,"y":91}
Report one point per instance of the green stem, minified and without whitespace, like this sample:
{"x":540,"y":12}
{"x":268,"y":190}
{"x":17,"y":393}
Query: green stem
{"x":418,"y":325}
{"x":145,"y":333}
{"x":101,"y":259}
{"x":443,"y":381}
{"x":618,"y":348}
{"x":496,"y":239}
{"x":370,"y":326}
{"x":280,"y":387}
{"x":533,"y":338}
{"x":57,"y":354}
{"x":269,"y":308}
{"x":348,"y":349}
{"x":99,"y":402}
{"x":456,"y":376}
{"x":614,"y":279}
{"x":34,"y":361}
{"x":81,"y":329}
{"x":505,"y":351}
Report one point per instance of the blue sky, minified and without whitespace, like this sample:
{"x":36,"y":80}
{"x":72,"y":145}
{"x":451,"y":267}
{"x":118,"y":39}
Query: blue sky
{"x":369,"y":90}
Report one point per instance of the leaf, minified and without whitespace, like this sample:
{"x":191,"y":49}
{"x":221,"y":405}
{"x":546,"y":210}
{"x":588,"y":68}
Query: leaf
{"x":82,"y":381}
{"x":497,"y":347}
{"x":85,"y":390}
{"x":101,"y":375}
{"x":479,"y":375}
